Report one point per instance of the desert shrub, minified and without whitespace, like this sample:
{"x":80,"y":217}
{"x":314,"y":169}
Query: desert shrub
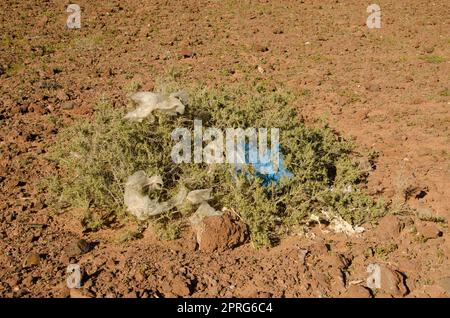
{"x":96,"y":156}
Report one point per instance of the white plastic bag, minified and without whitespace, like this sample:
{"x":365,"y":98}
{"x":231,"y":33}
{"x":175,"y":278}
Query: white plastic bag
{"x":139,"y":204}
{"x":147,"y":102}
{"x":142,"y":207}
{"x":199,"y":196}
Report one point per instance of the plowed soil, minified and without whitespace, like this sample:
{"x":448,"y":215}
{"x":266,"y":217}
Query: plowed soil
{"x":389,"y":88}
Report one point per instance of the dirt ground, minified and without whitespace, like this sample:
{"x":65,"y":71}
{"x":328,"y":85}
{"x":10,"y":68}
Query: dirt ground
{"x":388,"y":87}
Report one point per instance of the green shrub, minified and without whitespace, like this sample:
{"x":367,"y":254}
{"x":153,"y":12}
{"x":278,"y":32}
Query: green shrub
{"x":96,"y":156}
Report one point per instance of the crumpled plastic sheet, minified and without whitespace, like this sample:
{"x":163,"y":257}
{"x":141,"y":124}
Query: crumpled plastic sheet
{"x":337,"y":224}
{"x":203,"y":211}
{"x":199,"y":196}
{"x":148,"y":102}
{"x":264,"y":168}
{"x":139,"y":204}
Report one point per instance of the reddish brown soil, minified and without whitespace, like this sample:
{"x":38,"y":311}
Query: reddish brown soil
{"x":371,"y":84}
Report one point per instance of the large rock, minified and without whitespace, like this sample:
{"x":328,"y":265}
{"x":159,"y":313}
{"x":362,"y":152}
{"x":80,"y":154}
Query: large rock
{"x":220,"y":232}
{"x":392,"y":282}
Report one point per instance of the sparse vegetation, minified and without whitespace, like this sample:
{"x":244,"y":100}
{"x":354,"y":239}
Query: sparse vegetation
{"x":132,"y":87}
{"x":427,"y":215}
{"x":445,"y":92}
{"x":383,"y":251}
{"x":434,"y":59}
{"x":97,"y":155}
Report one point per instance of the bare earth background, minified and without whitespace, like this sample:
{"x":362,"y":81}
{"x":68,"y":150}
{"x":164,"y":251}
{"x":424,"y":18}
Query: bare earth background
{"x":388,"y":87}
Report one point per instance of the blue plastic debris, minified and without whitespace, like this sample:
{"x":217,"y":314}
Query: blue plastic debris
{"x":264,"y":168}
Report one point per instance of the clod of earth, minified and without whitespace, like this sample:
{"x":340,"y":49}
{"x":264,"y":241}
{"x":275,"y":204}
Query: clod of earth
{"x":429,"y":231}
{"x":357,"y":291}
{"x":186,"y":52}
{"x":391,"y":226}
{"x":78,"y":247}
{"x":32,"y":259}
{"x":220,"y":232}
{"x":392,"y":282}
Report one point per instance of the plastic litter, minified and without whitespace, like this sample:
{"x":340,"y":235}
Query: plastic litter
{"x":147,"y":102}
{"x":338,"y":225}
{"x":142,"y":207}
{"x":264,"y":168}
{"x":204,"y":210}
{"x":139,"y":204}
{"x":199,"y":196}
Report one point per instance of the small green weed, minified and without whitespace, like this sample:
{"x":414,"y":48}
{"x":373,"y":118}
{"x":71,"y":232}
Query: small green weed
{"x":434,"y":59}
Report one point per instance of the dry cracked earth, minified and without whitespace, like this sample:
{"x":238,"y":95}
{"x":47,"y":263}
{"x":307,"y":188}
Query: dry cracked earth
{"x":388,"y":88}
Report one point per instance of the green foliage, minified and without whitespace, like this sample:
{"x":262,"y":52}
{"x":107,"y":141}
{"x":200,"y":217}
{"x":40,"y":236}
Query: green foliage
{"x":434,"y":59}
{"x":383,"y":251}
{"x":96,"y":156}
{"x":445,"y":92}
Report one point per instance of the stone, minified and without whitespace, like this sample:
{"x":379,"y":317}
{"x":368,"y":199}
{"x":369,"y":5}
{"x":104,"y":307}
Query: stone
{"x":28,"y":280}
{"x":32,"y":259}
{"x":180,"y":286}
{"x":429,"y":49}
{"x":68,"y":105}
{"x":61,"y":95}
{"x":357,"y":291}
{"x":186,"y":52}
{"x":302,"y":253}
{"x":392,"y":282}
{"x":80,"y":293}
{"x":429,"y":231}
{"x":38,"y":109}
{"x":260,"y":48}
{"x":278,"y":31}
{"x":78,"y":247}
{"x":373,"y":87}
{"x":220,"y":232}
